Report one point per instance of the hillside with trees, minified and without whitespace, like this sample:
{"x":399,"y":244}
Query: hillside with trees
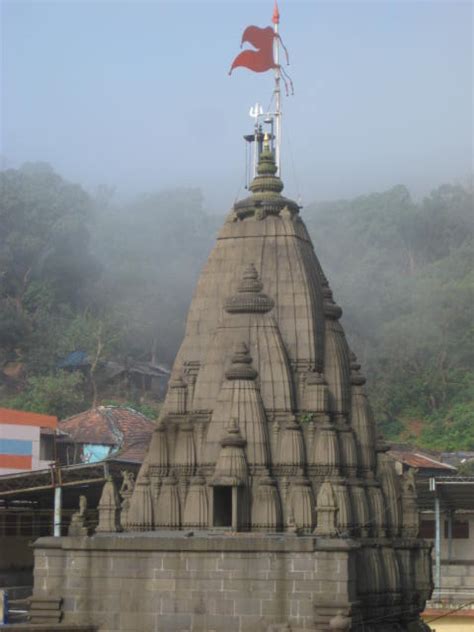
{"x":81,"y":273}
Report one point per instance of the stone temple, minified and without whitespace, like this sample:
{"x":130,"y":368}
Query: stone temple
{"x":266,"y":501}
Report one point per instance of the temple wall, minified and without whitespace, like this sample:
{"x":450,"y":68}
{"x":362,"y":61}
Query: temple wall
{"x":169,"y":582}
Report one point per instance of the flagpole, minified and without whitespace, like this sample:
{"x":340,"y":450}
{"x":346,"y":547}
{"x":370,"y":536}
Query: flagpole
{"x":276,"y":22}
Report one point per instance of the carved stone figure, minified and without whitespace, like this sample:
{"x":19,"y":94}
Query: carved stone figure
{"x":411,"y":516}
{"x":78,"y":519}
{"x":126,"y":491}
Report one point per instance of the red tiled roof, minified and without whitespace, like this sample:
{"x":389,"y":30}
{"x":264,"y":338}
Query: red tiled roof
{"x":418,"y":460}
{"x":134,"y":452}
{"x":109,"y":425}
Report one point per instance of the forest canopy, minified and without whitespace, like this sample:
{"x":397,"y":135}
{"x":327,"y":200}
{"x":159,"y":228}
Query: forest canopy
{"x":82,"y":273}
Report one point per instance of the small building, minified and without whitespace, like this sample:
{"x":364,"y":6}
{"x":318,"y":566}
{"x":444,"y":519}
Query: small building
{"x":100,"y":432}
{"x":89,"y":447}
{"x":26,"y":440}
{"x":145,"y":378}
{"x":446,"y":503}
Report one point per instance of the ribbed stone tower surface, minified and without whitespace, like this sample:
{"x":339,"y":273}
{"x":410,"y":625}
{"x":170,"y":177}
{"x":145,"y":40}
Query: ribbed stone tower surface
{"x":266,"y":426}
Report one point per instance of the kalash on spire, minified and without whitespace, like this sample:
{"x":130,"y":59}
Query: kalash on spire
{"x":269,"y":501}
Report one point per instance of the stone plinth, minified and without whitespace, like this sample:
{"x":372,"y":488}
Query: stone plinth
{"x":169,"y":581}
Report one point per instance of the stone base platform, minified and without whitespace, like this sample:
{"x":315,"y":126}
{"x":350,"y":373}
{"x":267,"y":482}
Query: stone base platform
{"x":46,"y":627}
{"x":199,"y":582}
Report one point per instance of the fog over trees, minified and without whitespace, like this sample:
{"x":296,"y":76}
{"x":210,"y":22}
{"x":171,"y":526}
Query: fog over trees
{"x":82,"y":272}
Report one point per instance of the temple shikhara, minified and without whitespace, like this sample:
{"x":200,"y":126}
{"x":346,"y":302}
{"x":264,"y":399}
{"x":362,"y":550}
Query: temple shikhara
{"x":266,"y":501}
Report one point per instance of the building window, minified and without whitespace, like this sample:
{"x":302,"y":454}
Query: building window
{"x":222,"y":506}
{"x":427,"y":529}
{"x":47,"y":448}
{"x":460,"y":529}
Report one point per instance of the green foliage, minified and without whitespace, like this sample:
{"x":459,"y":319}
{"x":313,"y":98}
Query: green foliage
{"x":61,"y":394}
{"x":45,"y":262}
{"x":404,"y":274}
{"x":466,"y":468}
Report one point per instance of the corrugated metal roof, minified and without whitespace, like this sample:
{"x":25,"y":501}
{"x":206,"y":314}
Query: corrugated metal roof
{"x":74,"y":360}
{"x":419,"y":460}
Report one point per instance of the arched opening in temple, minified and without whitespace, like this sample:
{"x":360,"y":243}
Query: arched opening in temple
{"x":223,"y":506}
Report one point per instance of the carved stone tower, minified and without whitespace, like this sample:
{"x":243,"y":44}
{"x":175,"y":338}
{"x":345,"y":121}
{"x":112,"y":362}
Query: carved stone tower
{"x":268,"y":500}
{"x":266,"y":426}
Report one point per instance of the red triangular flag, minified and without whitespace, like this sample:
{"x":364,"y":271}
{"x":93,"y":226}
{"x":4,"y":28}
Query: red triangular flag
{"x":259,"y":60}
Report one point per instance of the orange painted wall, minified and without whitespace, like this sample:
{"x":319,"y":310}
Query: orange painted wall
{"x":15,"y":461}
{"x":22,"y":418}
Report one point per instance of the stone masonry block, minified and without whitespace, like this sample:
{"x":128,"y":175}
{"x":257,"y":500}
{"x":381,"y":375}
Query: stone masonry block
{"x":173,"y":623}
{"x":160,"y":585}
{"x":201,"y":563}
{"x":220,"y":606}
{"x":277,"y":609}
{"x":252,"y":623}
{"x":211,"y":623}
{"x":303,"y":564}
{"x":134,"y":621}
{"x":247,"y":606}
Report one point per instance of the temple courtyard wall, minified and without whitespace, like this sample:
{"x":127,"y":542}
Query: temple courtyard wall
{"x":168,"y":582}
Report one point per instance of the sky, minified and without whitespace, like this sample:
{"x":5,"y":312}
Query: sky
{"x":136,"y":95}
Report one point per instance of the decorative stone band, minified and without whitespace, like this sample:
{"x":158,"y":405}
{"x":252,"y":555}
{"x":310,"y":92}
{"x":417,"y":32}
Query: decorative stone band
{"x":248,"y":303}
{"x":249,"y":297}
{"x":241,"y":362}
{"x":260,"y":205}
{"x":331,"y":310}
{"x":266,"y":187}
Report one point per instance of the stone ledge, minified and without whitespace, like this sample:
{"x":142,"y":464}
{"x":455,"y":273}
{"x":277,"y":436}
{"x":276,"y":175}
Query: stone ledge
{"x":48,"y":627}
{"x":181,"y":541}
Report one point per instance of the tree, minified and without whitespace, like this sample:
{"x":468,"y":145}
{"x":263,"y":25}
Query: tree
{"x":61,"y":394}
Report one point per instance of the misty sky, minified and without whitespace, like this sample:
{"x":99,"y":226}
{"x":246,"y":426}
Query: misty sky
{"x":137,"y":95}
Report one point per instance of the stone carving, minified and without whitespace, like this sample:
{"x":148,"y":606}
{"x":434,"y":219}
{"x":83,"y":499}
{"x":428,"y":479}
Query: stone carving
{"x":377,"y":510}
{"x":176,"y":400}
{"x":291,"y":525}
{"x":266,"y":512}
{"x":340,"y":622}
{"x":109,"y":508}
{"x":326,"y":509}
{"x":348,"y":450}
{"x":291,"y":458}
{"x":196,"y":508}
{"x":410,"y":515}
{"x":140,"y":515}
{"x":185,"y":453}
{"x":128,"y":483}
{"x":362,"y":421}
{"x":391,"y":489}
{"x":168,"y":512}
{"x":126,"y":491}
{"x":345,"y":520}
{"x":78,"y":519}
{"x":360,"y":507}
{"x":302,"y":503}
{"x":231,"y":467}
{"x":325,"y":454}
{"x":316,"y":393}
